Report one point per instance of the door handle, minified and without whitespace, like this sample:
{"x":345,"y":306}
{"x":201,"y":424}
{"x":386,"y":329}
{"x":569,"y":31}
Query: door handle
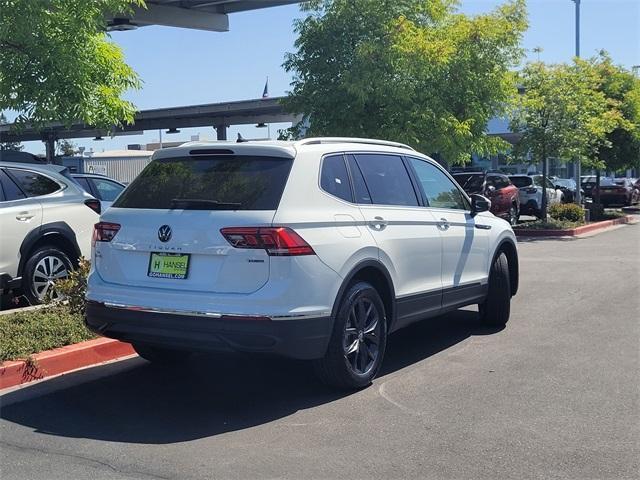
{"x":378,"y":223}
{"x":24,"y":216}
{"x":443,"y":224}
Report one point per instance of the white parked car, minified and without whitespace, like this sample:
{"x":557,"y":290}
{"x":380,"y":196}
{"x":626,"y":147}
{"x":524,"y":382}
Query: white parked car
{"x":530,"y":193}
{"x":46,"y":222}
{"x":315,"y":249}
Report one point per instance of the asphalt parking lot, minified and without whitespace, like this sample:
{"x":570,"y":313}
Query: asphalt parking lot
{"x":554,"y":395}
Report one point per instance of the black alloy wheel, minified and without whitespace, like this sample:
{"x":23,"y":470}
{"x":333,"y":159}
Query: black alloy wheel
{"x":357,"y":344}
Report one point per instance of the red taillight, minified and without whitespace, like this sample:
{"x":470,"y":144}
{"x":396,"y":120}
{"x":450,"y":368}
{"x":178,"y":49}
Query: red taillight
{"x":104,"y":232}
{"x":277,"y":241}
{"x":94,"y":205}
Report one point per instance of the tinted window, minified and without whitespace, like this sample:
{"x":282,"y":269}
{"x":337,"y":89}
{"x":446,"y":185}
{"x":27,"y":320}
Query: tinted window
{"x":440,"y":191}
{"x":493,"y":181}
{"x":500,"y":181}
{"x":521,"y":182}
{"x":470,"y":182}
{"x":231,"y":182}
{"x":33,"y":184}
{"x":84,"y":183}
{"x":107,"y":190}
{"x":11,"y":190}
{"x":359,"y":185}
{"x":334,"y":178}
{"x":387,"y":179}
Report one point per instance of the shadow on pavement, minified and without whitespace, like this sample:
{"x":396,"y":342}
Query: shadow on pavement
{"x":214,"y":394}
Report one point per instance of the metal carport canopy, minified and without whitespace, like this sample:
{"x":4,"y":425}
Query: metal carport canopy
{"x":244,"y":112}
{"x":208,"y":15}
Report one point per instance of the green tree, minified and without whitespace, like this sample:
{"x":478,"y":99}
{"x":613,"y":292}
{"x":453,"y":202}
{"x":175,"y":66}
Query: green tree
{"x":66,"y":147}
{"x":8,"y":145}
{"x":412,"y":71}
{"x":621,"y":148}
{"x":58,"y":64}
{"x":561,"y":113}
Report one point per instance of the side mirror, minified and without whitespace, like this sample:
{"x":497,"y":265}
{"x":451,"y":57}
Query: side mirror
{"x":479,"y":204}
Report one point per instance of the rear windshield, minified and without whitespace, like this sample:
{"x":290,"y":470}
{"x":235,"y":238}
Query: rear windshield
{"x":470,"y":182}
{"x":209,"y":183}
{"x":520,"y":181}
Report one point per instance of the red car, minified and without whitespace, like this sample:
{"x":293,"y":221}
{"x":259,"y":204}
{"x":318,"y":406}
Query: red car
{"x":497,"y":187}
{"x":619,"y":191}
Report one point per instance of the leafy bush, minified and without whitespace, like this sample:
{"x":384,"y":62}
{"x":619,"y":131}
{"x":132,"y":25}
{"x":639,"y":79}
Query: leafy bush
{"x":28,"y":332}
{"x":569,"y":212}
{"x":74,"y":287}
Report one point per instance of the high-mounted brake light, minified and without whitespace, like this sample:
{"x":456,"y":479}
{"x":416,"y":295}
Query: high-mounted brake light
{"x":277,"y":241}
{"x":104,"y":232}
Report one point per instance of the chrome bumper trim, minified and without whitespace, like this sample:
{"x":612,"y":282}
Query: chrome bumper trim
{"x":196,"y":313}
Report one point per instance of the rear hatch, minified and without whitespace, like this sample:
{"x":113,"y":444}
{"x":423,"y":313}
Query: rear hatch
{"x":167,"y":223}
{"x":616,"y":187}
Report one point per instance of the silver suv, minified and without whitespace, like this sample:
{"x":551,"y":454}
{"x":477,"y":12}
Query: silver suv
{"x":46,"y":221}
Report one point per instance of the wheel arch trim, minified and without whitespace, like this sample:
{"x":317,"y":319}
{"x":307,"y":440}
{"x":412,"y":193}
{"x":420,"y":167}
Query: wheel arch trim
{"x":510,"y":249}
{"x":60,"y":229}
{"x":347,"y":280}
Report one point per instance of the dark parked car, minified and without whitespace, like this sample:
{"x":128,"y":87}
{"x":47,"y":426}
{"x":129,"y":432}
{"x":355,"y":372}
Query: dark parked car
{"x":617,"y":191}
{"x":568,"y":188}
{"x":496,"y":187}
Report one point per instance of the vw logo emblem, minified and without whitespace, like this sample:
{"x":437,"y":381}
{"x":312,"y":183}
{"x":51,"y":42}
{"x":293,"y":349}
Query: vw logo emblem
{"x":164,"y":233}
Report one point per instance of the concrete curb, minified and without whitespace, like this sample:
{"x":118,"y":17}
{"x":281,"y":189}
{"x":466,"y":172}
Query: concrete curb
{"x":30,"y":308}
{"x":573,"y":232}
{"x":62,"y":360}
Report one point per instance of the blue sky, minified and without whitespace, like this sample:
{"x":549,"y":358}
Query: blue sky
{"x":182,"y":67}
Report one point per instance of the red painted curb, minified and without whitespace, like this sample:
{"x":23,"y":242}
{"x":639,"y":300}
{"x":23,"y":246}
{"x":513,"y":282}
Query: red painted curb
{"x":61,"y":360}
{"x":572,"y":232}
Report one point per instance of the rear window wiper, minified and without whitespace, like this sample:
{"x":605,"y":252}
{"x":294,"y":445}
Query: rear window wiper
{"x":202,"y":204}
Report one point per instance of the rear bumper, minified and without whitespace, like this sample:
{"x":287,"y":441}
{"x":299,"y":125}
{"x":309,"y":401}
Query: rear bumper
{"x":614,"y":198}
{"x":302,"y":338}
{"x":530,"y":207}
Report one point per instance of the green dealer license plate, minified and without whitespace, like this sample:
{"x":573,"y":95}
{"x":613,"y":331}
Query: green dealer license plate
{"x":168,"y":265}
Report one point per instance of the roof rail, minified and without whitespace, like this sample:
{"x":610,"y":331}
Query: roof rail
{"x":368,"y":141}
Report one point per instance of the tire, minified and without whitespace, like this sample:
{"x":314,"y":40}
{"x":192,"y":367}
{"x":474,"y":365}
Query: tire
{"x":354,"y":357}
{"x":159,"y":355}
{"x":495,"y":309}
{"x":45,"y":265}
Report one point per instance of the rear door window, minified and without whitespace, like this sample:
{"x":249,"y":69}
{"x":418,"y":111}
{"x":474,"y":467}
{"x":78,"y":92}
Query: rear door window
{"x":33,"y":184}
{"x":11,"y":190}
{"x":387,"y":179}
{"x":334,"y":178}
{"x":230,"y":182}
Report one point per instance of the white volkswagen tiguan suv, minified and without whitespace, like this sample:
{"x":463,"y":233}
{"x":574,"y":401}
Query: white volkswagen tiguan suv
{"x":315,"y":249}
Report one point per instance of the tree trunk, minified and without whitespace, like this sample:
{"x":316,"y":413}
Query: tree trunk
{"x":596,"y":199}
{"x":543,"y":207}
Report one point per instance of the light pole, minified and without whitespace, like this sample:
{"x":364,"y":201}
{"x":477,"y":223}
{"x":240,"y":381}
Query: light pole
{"x":577,"y":162}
